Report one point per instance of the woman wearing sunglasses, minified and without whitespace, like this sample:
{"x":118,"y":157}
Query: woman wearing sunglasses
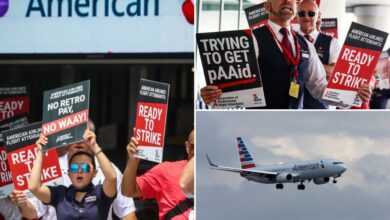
{"x":81,"y":200}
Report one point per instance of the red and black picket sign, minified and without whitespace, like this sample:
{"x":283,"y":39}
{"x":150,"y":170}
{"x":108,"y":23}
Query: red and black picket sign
{"x":65,"y":114}
{"x":256,"y":16}
{"x":14,"y":101}
{"x":229,"y":60}
{"x":21,"y":153}
{"x":356,"y":63}
{"x":15,"y":121}
{"x":329,"y":27}
{"x":151,"y":117}
{"x":6,"y":182}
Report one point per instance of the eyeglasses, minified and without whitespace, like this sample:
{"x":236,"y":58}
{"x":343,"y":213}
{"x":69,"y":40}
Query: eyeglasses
{"x":309,"y":13}
{"x":74,"y":167}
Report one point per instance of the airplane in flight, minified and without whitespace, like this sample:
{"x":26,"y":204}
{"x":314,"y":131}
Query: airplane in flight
{"x":318,"y":171}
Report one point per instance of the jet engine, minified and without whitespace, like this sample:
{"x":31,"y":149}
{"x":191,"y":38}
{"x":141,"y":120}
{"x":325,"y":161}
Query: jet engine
{"x":284,"y":178}
{"x":319,"y":181}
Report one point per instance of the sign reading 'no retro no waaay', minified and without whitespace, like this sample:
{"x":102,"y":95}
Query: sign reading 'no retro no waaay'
{"x":65,"y":114}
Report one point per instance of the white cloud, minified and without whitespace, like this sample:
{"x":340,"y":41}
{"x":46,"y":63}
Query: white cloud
{"x":340,"y":146}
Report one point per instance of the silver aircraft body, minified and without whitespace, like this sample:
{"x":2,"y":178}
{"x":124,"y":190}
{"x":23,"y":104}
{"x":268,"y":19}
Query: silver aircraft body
{"x":319,"y":171}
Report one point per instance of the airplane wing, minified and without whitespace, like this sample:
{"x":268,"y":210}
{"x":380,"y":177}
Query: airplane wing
{"x":237,"y":170}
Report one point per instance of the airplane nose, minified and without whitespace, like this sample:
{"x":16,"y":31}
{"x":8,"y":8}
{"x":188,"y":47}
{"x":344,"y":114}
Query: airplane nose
{"x":343,"y":167}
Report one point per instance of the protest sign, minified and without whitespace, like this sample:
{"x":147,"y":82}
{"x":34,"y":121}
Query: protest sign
{"x":65,"y":114}
{"x":13,"y":101}
{"x":355,"y":65}
{"x":256,"y":16}
{"x":382,"y":69}
{"x":6,"y":183}
{"x":329,"y":27}
{"x":151,"y":119}
{"x":15,"y":121}
{"x":229,"y":62}
{"x":21,"y":153}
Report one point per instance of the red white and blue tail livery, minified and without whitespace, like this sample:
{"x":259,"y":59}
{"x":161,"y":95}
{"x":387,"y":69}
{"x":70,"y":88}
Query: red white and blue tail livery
{"x":245,"y":157}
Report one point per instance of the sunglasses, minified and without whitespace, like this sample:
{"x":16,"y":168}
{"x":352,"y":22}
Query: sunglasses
{"x":74,"y":167}
{"x":309,"y":13}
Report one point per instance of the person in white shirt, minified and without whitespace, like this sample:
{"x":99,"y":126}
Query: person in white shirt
{"x":327,"y":47}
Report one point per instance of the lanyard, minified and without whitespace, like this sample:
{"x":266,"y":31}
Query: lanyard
{"x":287,"y":51}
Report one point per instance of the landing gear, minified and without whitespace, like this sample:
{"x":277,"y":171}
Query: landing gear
{"x":334,"y":181}
{"x":301,"y":187}
{"x":279,"y":186}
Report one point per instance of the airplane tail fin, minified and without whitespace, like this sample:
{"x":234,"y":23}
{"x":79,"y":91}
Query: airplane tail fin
{"x":245,"y":157}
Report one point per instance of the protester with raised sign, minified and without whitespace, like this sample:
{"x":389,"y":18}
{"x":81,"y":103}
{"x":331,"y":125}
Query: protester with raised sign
{"x":327,"y":47}
{"x":82,"y":199}
{"x":284,"y":71}
{"x":123,"y":207}
{"x":160,"y":183}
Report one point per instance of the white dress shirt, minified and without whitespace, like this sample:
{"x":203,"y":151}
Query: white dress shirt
{"x":334,"y":49}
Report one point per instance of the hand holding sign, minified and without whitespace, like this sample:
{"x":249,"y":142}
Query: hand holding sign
{"x":210,"y":94}
{"x":90,"y":140}
{"x":18,"y":197}
{"x":364,"y":92}
{"x":42,"y":141}
{"x":132,"y":148}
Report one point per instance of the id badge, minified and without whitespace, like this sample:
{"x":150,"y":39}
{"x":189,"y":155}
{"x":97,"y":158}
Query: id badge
{"x":294,"y":89}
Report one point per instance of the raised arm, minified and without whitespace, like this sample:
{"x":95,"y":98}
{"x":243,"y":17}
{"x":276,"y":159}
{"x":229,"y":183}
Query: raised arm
{"x":109,"y":183}
{"x":42,"y":192}
{"x":129,"y":184}
{"x":187,"y":177}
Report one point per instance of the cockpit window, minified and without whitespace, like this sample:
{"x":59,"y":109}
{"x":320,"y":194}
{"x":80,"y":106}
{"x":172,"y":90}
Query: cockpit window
{"x":335,"y":163}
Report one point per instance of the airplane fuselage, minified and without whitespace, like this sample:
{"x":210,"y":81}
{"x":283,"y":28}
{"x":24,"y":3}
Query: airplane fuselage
{"x":300,"y":171}
{"x":318,"y":171}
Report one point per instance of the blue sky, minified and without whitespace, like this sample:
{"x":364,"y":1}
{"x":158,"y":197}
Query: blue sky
{"x":360,"y":139}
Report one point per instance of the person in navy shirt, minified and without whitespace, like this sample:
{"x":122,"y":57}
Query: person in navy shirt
{"x":81,"y":200}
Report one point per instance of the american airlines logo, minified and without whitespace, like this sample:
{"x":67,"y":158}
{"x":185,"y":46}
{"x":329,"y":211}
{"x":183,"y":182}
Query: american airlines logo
{"x":3,"y":7}
{"x":311,"y":166}
{"x":91,"y":8}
